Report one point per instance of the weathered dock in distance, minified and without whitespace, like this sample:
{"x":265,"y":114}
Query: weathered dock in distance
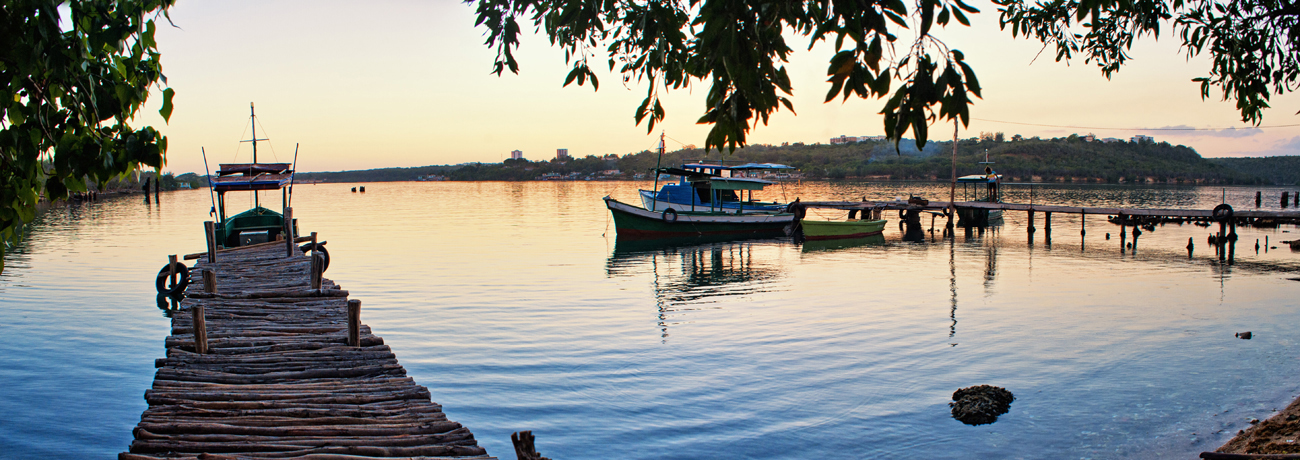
{"x":267,"y":359}
{"x":1031,"y":209}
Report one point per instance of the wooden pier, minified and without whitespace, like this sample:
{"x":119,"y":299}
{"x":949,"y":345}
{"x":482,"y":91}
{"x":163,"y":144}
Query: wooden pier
{"x":281,"y":367}
{"x":940,"y":206}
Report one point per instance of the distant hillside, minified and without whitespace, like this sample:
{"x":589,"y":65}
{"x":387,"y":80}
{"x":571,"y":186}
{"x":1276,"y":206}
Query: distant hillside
{"x":1045,"y":160}
{"x":1281,"y":170}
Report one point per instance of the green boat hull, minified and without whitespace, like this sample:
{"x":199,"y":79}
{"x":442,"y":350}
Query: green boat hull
{"x":828,"y":230}
{"x":633,"y":222}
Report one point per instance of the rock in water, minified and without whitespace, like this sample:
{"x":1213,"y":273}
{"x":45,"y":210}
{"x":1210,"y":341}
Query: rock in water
{"x":981,"y":404}
{"x":1243,"y":335}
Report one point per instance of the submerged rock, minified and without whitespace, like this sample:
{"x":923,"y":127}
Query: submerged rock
{"x":980,"y":404}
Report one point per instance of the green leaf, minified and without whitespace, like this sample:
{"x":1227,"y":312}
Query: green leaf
{"x":166,"y":110}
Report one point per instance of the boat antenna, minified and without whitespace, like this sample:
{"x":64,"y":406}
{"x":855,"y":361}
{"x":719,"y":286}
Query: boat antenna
{"x":658,"y":163}
{"x":211,"y":187}
{"x":292,"y":172}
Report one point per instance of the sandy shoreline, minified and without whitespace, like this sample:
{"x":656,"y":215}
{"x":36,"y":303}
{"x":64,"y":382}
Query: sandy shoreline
{"x":1280,"y":434}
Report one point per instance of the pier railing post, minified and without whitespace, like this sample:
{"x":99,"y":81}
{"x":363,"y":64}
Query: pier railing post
{"x":210,"y":229}
{"x":315,"y":264}
{"x":200,"y":329}
{"x":171,"y":270}
{"x":288,"y":232}
{"x":209,"y":281}
{"x":354,"y":323}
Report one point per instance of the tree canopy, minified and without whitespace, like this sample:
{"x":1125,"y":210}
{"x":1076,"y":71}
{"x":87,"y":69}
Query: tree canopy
{"x":76,"y":82}
{"x":739,"y":48}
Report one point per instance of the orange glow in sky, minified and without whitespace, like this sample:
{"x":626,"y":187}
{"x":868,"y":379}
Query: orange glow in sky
{"x":364,"y":85}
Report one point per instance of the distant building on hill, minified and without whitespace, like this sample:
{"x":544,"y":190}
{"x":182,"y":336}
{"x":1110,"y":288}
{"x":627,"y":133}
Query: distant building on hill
{"x":1107,"y":140}
{"x":1090,"y":137}
{"x":562,"y":154}
{"x":516,"y":154}
{"x":843,"y":140}
{"x":1138,"y":138}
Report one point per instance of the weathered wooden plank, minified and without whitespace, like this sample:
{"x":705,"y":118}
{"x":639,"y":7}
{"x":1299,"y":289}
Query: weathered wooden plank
{"x":279,"y":379}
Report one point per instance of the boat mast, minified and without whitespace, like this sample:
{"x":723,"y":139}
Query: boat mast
{"x":252,"y":118}
{"x":655,"y":201}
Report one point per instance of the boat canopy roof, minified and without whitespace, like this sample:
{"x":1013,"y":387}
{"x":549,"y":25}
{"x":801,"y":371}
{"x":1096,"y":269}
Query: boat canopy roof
{"x":252,"y":176}
{"x":744,"y":167}
{"x":737,"y":183}
{"x":980,"y":178}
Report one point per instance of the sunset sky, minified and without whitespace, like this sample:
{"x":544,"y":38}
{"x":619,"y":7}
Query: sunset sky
{"x":364,"y":85}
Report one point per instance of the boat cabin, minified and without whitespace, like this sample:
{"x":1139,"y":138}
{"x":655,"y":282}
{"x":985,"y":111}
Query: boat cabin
{"x":259,"y":224}
{"x":715,"y":186}
{"x":979,"y":187}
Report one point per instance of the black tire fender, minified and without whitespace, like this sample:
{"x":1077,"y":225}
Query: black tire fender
{"x":1222,"y":212}
{"x":182,"y":280}
{"x":320,"y":250}
{"x":669,"y":215}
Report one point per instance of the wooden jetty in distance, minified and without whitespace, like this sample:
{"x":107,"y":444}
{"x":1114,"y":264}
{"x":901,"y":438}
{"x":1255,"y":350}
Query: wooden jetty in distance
{"x":267,"y":359}
{"x":1030,"y":209}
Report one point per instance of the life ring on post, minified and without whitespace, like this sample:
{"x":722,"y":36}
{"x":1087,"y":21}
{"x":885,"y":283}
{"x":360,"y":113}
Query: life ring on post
{"x":182,"y":279}
{"x":319,"y":250}
{"x":1222,"y":212}
{"x":669,"y":215}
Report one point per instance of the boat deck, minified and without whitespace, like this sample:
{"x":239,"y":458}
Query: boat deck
{"x":279,"y":378}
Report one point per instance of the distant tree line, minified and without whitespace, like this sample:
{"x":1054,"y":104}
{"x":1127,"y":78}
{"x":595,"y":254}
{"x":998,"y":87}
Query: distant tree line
{"x":1065,"y":159}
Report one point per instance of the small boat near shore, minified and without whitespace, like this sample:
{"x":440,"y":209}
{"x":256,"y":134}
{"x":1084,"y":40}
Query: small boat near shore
{"x":814,"y":230}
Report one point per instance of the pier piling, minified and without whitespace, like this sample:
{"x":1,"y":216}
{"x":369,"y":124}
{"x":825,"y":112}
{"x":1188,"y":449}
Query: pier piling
{"x":269,"y":368}
{"x":210,"y":230}
{"x":354,"y":323}
{"x":288,"y":232}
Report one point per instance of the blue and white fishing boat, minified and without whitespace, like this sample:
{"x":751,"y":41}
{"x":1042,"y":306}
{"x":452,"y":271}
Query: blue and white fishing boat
{"x":713,"y":187}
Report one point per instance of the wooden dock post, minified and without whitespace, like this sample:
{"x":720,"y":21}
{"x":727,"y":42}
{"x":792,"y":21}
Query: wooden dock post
{"x":1257,"y":198}
{"x":1031,"y":221}
{"x":316,"y":263}
{"x":210,"y":229}
{"x":288,"y":231}
{"x":200,"y":329}
{"x":1083,"y":223}
{"x":1286,"y":197}
{"x":209,"y":281}
{"x":171,"y":271}
{"x":354,"y":323}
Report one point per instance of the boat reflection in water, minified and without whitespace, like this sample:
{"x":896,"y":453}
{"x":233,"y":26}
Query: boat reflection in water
{"x":689,"y":276}
{"x":842,"y":243}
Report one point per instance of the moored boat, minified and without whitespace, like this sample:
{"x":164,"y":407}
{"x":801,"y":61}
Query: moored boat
{"x":713,"y":187}
{"x":971,"y":186}
{"x":258,"y":224}
{"x":635,"y":222}
{"x":814,"y":230}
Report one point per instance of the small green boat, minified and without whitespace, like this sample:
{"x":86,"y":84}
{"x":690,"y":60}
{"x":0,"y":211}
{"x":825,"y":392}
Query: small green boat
{"x":259,"y":224}
{"x":814,"y":230}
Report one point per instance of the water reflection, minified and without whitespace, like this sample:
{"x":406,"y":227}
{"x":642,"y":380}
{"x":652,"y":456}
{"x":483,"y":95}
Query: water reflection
{"x":842,"y":243}
{"x":692,"y":278}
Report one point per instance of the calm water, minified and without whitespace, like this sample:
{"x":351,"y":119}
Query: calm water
{"x":516,"y":306}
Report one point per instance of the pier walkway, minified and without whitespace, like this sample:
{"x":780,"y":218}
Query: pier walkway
{"x":939,"y":206}
{"x":279,"y":378}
